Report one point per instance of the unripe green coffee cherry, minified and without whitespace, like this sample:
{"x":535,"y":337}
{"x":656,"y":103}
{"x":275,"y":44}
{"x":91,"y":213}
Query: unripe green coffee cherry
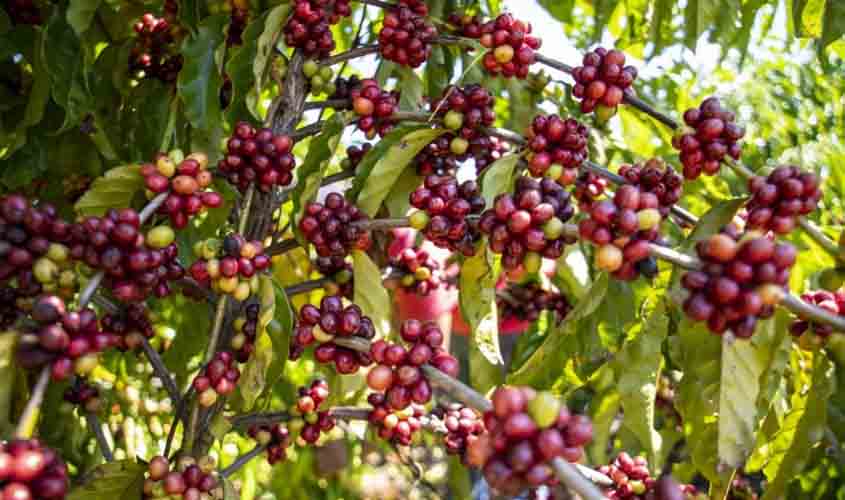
{"x":57,"y":252}
{"x":604,"y":113}
{"x":418,"y":220}
{"x":554,"y":172}
{"x":532,"y":262}
{"x":161,"y":236}
{"x":453,"y":120}
{"x":326,"y":73}
{"x":459,"y":145}
{"x":648,"y":218}
{"x":553,"y":228}
{"x":310,"y":68}
{"x":544,"y":409}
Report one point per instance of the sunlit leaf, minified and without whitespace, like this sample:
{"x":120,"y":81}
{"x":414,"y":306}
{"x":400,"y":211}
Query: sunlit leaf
{"x":114,"y":190}
{"x":369,"y":292}
{"x":124,"y":479}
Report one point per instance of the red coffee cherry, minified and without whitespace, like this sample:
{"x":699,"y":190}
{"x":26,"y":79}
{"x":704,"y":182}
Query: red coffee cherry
{"x":418,"y":271}
{"x":309,"y":25}
{"x":187,"y":183}
{"x":83,"y":395}
{"x":130,"y":325}
{"x":463,"y":426}
{"x":398,"y":426}
{"x":557,"y":148}
{"x":529,"y":224}
{"x":603,"y":80}
{"x":230,"y":266}
{"x":354,"y":154}
{"x":257,"y":156}
{"x":218,"y":378}
{"x":155,"y":53}
{"x":832,"y":302}
{"x":246,"y":332}
{"x":511,"y":47}
{"x":31,"y":470}
{"x":657,"y":177}
{"x":443,"y":209}
{"x":712,"y":133}
{"x":780,"y":198}
{"x":739,"y":281}
{"x":323,"y":324}
{"x":339,"y":269}
{"x":24,"y":12}
{"x":375,"y":106}
{"x":405,"y":37}
{"x":526,"y":301}
{"x":632,"y":480}
{"x":190,"y":479}
{"x":330,"y":227}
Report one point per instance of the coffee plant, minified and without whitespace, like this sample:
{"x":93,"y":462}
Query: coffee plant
{"x":421,"y":248}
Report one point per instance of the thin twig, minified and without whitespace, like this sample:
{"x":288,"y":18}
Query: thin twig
{"x":308,"y":130}
{"x":242,"y":460}
{"x":161,"y":371}
{"x":570,"y":476}
{"x":245,"y":207}
{"x":26,"y":424}
{"x":307,"y":286}
{"x":328,"y":103}
{"x":94,"y":425}
{"x":377,"y":3}
{"x":349,"y":55}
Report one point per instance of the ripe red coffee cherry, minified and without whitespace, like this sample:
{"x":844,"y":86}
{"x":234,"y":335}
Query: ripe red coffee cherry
{"x":711,"y":135}
{"x":602,"y":81}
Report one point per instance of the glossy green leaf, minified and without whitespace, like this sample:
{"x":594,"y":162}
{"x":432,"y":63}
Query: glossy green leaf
{"x":123,"y":479}
{"x":240,"y":71}
{"x":559,"y":9}
{"x":369,"y":292}
{"x":80,"y":13}
{"x":411,"y":98}
{"x":743,"y":362}
{"x":802,"y":429}
{"x":280,"y":330}
{"x":199,"y":79}
{"x":273,"y":27}
{"x":498,"y":178}
{"x":833,"y":23}
{"x":114,"y":190}
{"x":637,"y":369}
{"x":397,"y":201}
{"x":698,"y":17}
{"x":386,"y":166}
{"x":477,"y":283}
{"x":254,"y":378}
{"x":63,"y":58}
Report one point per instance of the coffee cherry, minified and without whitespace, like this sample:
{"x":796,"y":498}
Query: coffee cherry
{"x":155,"y":53}
{"x":257,"y":156}
{"x":526,"y":301}
{"x":511,"y":47}
{"x":658,"y":178}
{"x":778,"y":199}
{"x":230,"y":266}
{"x":325,"y":323}
{"x":832,"y":302}
{"x":603,"y":81}
{"x":405,"y":37}
{"x":556,"y":145}
{"x":309,"y":25}
{"x":419,"y":271}
{"x":375,"y":107}
{"x":31,"y":471}
{"x":330,"y":227}
{"x":447,"y":204}
{"x":190,"y":479}
{"x":711,"y":134}
{"x":633,"y":480}
{"x":463,"y":425}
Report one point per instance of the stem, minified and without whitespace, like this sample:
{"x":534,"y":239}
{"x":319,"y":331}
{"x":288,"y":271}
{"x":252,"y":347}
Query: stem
{"x":505,"y":135}
{"x":456,"y":389}
{"x":161,"y":371}
{"x":811,"y":312}
{"x":247,"y":205}
{"x":242,"y":460}
{"x":26,"y":424}
{"x":679,"y":259}
{"x":328,"y":103}
{"x":307,"y":286}
{"x":569,"y":475}
{"x":350,"y":54}
{"x":340,"y":176}
{"x":377,"y":3}
{"x":282,"y":247}
{"x":95,"y":427}
{"x":308,"y":130}
{"x":217,"y":327}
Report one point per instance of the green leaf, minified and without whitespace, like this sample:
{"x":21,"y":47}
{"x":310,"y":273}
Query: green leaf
{"x":559,"y":9}
{"x":7,"y":374}
{"x":80,"y":13}
{"x":280,"y":330}
{"x":199,"y":79}
{"x":637,"y":369}
{"x":808,"y":17}
{"x":239,"y":69}
{"x":802,"y":429}
{"x":397,"y":201}
{"x":378,"y":151}
{"x":711,"y":222}
{"x":833,"y":23}
{"x":697,"y":18}
{"x":254,"y":379}
{"x":477,"y":283}
{"x":321,"y":150}
{"x":498,"y":178}
{"x":411,"y":98}
{"x":113,"y":190}
{"x":147,"y":129}
{"x":123,"y":479}
{"x":539,"y":366}
{"x":64,"y":60}
{"x":264,"y":48}
{"x":189,"y":322}
{"x":386,"y":169}
{"x":369,"y":292}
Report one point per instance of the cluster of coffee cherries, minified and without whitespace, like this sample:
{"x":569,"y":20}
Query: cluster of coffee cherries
{"x":230,"y":266}
{"x":10,"y":308}
{"x":525,"y":431}
{"x":465,"y":110}
{"x":397,"y":373}
{"x":83,"y":395}
{"x":602,"y":82}
{"x":439,"y":157}
{"x":527,"y":300}
{"x":557,"y":148}
{"x":275,"y":437}
{"x":23,"y":11}
{"x":54,"y":271}
{"x":257,"y":156}
{"x":134,"y":266}
{"x":30,"y":470}
{"x":529,"y":224}
{"x":632,"y":480}
{"x":131,"y":325}
{"x":657,"y":177}
{"x":340,"y":271}
{"x":187,"y":182}
{"x":238,"y":20}
{"x":309,"y":25}
{"x":405,"y":37}
{"x":420,"y":272}
{"x":154,"y":54}
{"x":588,"y":187}
{"x":742,"y":277}
{"x":778,"y":199}
{"x":511,"y":47}
{"x":443,"y":207}
{"x":308,"y":408}
{"x":26,"y":234}
{"x":714,"y":134}
{"x":463,"y":425}
{"x":331,"y":228}
{"x":190,"y":480}
{"x":354,"y":155}
{"x":68,"y":341}
{"x":374,"y":106}
{"x":401,"y":427}
{"x":245,"y":327}
{"x":319,"y":78}
{"x":623,"y":229}
{"x":832,"y":302}
{"x":322,"y":324}
{"x":218,"y":377}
